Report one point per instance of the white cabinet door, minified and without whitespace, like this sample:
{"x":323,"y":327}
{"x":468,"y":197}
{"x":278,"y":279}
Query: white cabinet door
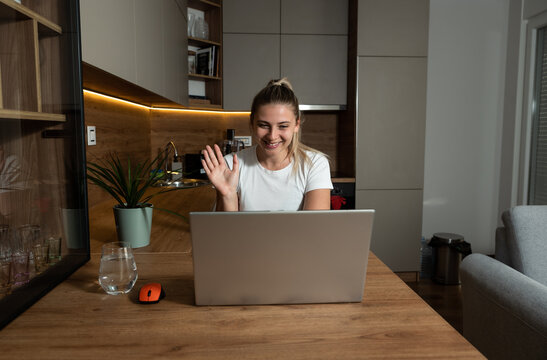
{"x":149,"y":55}
{"x":141,"y":41}
{"x":316,"y":65}
{"x":397,"y":226}
{"x":393,"y":27}
{"x":314,"y":17}
{"x":250,"y":61}
{"x":251,"y":16}
{"x":391,"y":123}
{"x":175,"y":45}
{"x":311,"y":45}
{"x":108,"y":36}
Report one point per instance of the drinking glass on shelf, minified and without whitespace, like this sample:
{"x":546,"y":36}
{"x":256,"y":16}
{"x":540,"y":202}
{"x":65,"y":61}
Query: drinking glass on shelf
{"x":22,"y":256}
{"x":5,"y":276}
{"x":5,"y":261}
{"x":20,"y":268}
{"x":117,"y":271}
{"x":191,"y":22}
{"x":201,"y":29}
{"x":41,"y":250}
{"x":54,"y":249}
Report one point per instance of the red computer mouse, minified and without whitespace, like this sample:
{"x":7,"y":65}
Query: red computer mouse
{"x":151,"y":293}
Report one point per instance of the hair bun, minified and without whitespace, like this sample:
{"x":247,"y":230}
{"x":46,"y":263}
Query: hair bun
{"x":280,"y":82}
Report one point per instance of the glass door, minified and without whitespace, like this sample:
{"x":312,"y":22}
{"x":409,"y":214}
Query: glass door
{"x":43,"y":202}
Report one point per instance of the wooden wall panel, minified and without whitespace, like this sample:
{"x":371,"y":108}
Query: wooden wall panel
{"x":319,"y":130}
{"x":191,"y":131}
{"x":121,"y":128}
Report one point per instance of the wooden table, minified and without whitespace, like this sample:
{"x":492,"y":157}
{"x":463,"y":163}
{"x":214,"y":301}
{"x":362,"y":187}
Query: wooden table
{"x":79,"y":320}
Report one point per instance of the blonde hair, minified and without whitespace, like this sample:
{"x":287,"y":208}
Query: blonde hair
{"x":280,"y":91}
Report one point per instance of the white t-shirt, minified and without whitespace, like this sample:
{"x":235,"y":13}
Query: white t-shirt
{"x":263,"y":189}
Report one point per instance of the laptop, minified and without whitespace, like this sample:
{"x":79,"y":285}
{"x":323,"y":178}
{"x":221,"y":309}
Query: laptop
{"x":285,"y":257}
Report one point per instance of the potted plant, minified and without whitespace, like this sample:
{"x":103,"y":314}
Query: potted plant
{"x":131,"y":188}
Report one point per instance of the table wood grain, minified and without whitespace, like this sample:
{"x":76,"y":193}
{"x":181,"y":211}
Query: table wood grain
{"x":78,"y":320}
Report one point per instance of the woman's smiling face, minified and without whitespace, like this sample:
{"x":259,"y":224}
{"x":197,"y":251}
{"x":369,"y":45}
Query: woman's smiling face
{"x":274,"y":126}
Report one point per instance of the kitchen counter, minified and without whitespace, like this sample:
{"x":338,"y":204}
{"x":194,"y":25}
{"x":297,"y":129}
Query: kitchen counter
{"x":78,"y":320}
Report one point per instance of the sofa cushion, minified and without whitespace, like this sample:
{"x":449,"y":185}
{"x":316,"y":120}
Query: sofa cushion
{"x":526,"y":237}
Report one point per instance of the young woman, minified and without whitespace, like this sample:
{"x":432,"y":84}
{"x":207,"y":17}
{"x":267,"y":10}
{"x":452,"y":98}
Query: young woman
{"x":279,"y":172}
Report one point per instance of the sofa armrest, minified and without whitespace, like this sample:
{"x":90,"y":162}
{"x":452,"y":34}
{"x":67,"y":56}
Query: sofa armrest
{"x":504,"y":311}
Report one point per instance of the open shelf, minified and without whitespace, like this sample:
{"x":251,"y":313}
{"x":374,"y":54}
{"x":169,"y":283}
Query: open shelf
{"x":192,"y":41}
{"x":29,"y":48}
{"x":10,"y":10}
{"x":197,"y":105}
{"x":212,"y":12}
{"x":203,"y":77}
{"x":31,"y":115}
{"x":203,"y":5}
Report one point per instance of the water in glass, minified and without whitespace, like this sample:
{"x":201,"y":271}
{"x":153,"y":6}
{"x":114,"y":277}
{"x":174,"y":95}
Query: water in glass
{"x":118,"y":271}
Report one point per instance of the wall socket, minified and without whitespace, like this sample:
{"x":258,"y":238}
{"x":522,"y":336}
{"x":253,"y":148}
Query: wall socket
{"x":91,"y":136}
{"x":247,"y":140}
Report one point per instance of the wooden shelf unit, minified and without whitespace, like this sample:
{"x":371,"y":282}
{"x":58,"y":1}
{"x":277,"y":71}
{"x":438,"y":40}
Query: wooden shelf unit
{"x":29,"y":63}
{"x":213,"y":84}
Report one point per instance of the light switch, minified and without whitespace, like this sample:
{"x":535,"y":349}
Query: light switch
{"x":91,"y":136}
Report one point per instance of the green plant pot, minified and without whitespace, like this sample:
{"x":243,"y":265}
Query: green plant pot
{"x":134,"y":225}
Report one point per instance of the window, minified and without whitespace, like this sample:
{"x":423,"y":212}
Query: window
{"x":537,"y":194}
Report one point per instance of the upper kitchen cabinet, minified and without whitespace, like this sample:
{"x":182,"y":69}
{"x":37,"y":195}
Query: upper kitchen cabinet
{"x":251,"y":16}
{"x":108,"y":36}
{"x":250,"y":61}
{"x":314,"y":17}
{"x":316,"y":66}
{"x":312,"y":53}
{"x":142,"y":42}
{"x":393,"y":28}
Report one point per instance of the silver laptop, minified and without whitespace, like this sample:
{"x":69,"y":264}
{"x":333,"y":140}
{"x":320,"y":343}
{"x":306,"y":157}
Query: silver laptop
{"x":244,"y":258}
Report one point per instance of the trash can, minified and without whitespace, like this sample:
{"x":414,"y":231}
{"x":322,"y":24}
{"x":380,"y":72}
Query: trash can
{"x":448,"y":251}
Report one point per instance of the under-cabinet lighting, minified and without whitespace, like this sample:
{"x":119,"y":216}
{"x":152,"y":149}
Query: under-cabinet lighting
{"x":115,"y":99}
{"x":165,"y":108}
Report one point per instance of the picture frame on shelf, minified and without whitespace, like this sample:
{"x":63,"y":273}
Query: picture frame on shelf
{"x":191,"y":62}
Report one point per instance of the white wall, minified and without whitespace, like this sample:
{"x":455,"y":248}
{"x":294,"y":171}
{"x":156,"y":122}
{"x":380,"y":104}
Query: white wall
{"x":465,"y":93}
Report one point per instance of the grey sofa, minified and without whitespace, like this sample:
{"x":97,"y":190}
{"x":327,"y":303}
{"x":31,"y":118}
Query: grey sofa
{"x":505,"y":299}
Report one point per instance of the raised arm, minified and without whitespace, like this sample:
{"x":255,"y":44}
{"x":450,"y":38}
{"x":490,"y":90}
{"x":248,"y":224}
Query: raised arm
{"x":224,"y":179}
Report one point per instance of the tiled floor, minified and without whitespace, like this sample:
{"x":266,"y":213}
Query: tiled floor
{"x":444,"y":299}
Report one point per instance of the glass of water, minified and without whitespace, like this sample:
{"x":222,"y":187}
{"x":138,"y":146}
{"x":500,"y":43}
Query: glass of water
{"x":118,"y":271}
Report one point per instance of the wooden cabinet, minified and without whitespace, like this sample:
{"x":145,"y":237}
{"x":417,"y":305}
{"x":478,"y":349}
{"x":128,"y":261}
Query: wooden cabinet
{"x":211,"y":96}
{"x":43,"y":204}
{"x":312,"y":49}
{"x":140,"y":41}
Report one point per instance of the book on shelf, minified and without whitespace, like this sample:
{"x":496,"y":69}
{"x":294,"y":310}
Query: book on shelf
{"x":206,"y":61}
